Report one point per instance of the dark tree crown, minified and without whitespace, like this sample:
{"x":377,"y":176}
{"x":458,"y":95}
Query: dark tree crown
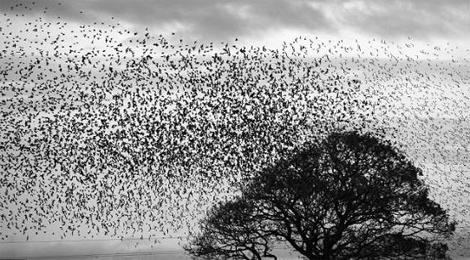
{"x":349,"y":196}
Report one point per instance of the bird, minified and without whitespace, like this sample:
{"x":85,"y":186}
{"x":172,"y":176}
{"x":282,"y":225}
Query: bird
{"x":108,"y":136}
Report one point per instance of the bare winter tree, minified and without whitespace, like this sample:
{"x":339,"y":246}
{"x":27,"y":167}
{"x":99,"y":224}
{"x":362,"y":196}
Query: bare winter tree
{"x":233,"y":230}
{"x":349,"y":196}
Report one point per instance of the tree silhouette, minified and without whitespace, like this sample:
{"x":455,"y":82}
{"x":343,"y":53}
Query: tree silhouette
{"x":233,"y":230}
{"x":349,"y":196}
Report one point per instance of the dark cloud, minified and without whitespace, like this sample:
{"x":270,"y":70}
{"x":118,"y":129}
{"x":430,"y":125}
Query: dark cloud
{"x":45,"y":8}
{"x":218,"y":19}
{"x":202,"y":18}
{"x":226,"y":19}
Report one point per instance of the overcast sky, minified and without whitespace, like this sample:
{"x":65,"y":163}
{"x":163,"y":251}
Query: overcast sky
{"x":264,"y":22}
{"x":254,"y":21}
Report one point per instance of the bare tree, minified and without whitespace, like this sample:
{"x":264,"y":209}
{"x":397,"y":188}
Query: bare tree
{"x":349,"y":196}
{"x":233,"y":230}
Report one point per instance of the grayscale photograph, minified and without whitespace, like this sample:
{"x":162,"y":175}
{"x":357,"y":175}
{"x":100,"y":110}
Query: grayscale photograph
{"x":234,"y":129}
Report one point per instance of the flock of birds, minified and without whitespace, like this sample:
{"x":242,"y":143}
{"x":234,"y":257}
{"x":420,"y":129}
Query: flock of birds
{"x":105,"y":130}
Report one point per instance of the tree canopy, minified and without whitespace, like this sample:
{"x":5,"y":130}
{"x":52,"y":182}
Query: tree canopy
{"x":233,"y":231}
{"x":348,"y":196}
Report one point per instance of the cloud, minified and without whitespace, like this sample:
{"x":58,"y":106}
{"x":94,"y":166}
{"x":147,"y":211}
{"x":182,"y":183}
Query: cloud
{"x":201,"y":18}
{"x":227,"y":19}
{"x":218,"y":19}
{"x":421,"y":19}
{"x":45,"y":8}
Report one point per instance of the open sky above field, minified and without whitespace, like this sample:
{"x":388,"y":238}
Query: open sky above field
{"x":262,"y":23}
